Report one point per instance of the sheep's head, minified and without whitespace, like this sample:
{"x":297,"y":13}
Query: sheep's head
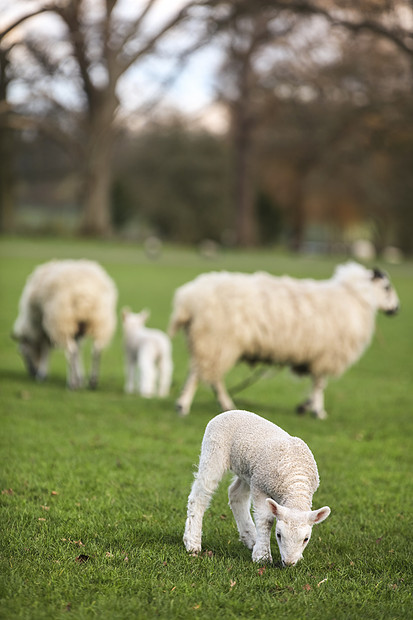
{"x":386,"y":297}
{"x":30,"y":351}
{"x":293,"y":529}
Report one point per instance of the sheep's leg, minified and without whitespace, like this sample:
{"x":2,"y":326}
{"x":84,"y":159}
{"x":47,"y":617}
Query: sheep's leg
{"x":319,"y":385}
{"x":211,"y":469}
{"x":147,"y":374}
{"x":240,"y":502}
{"x":43,"y":365}
{"x":75,"y":372}
{"x":130,"y":370}
{"x":183,"y":404}
{"x":165,"y":375}
{"x":222,"y":395}
{"x":94,"y":372}
{"x":315,"y":403}
{"x":263,"y":524}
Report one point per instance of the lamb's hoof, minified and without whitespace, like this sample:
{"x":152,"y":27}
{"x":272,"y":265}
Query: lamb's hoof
{"x":93,"y":384}
{"x":302,"y":409}
{"x":192,"y":548}
{"x":320,"y":415}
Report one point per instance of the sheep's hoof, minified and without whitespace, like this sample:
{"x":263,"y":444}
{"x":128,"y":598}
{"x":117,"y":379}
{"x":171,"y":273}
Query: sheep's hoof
{"x":320,"y":415}
{"x":180,"y":409}
{"x":302,"y":409}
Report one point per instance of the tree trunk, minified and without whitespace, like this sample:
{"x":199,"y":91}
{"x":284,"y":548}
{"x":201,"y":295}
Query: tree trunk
{"x":245,"y":224}
{"x":6,"y":153}
{"x":97,"y":173}
{"x":7,"y":202}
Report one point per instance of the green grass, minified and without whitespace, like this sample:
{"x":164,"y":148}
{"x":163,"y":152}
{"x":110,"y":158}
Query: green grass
{"x":93,"y":524}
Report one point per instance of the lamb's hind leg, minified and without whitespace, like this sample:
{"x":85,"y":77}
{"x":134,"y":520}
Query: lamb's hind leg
{"x":212,"y":466}
{"x":240,"y":503}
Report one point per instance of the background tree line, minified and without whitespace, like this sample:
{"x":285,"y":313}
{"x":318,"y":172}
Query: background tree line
{"x":318,"y":97}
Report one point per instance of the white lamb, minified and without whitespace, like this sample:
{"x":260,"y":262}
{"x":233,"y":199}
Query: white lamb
{"x":318,"y":328}
{"x":274,"y":470}
{"x":147,"y":356}
{"x":63,"y":301}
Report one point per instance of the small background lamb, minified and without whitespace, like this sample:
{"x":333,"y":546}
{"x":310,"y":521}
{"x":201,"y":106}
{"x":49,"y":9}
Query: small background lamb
{"x":148,"y":356}
{"x":62,"y":302}
{"x":274,"y":470}
{"x":317,"y":328}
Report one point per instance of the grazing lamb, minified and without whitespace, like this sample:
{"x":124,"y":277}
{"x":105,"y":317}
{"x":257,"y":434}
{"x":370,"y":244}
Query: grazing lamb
{"x":274,"y":470}
{"x":63,"y":301}
{"x":318,"y":328}
{"x":147,"y":354}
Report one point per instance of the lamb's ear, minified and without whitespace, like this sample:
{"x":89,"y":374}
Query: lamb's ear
{"x":145,"y":314}
{"x":316,"y":516}
{"x":277,"y":510}
{"x":124,"y":312}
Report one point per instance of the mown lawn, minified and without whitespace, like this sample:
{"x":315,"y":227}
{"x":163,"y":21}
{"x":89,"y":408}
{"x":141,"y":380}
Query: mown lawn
{"x":94,"y":484}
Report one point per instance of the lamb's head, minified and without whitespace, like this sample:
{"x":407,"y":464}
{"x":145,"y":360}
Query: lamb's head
{"x":134,"y":320}
{"x":386,"y":297}
{"x":293,"y":529}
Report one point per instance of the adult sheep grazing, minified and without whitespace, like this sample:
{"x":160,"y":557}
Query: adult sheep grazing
{"x":63,"y":301}
{"x":318,"y":328}
{"x":274,"y":470}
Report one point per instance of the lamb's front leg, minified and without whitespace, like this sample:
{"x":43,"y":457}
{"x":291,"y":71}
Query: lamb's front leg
{"x":240,"y":503}
{"x":263,"y":523}
{"x":130,"y":371}
{"x":212,"y":465}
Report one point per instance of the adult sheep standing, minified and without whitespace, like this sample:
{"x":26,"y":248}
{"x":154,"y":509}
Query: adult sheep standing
{"x":62,"y":302}
{"x":318,"y":328}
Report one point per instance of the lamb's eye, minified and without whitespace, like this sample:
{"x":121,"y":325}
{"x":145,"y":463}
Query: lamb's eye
{"x":306,"y":540}
{"x":278,"y":535}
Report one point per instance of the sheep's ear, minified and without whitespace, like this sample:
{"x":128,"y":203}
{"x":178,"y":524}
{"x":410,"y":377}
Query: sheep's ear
{"x":377,"y":274}
{"x":277,"y":510}
{"x":316,"y":516}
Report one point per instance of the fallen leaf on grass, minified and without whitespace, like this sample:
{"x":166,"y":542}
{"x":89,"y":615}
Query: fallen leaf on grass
{"x":378,"y":540}
{"x":196,"y":606}
{"x":232,"y":583}
{"x":45,"y":507}
{"x":42,"y":519}
{"x":82,"y":558}
{"x":7,"y":492}
{"x":54,"y":493}
{"x":208,"y":554}
{"x":307,"y":587}
{"x":322,"y":581}
{"x":261,"y":570}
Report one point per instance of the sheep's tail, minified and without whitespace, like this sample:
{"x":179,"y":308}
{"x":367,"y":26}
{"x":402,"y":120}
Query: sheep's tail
{"x":180,"y":319}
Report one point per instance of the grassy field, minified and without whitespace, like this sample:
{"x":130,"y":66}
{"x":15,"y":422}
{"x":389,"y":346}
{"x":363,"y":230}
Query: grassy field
{"x":94,"y":484}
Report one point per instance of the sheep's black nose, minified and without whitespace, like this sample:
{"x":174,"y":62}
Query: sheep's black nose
{"x":393,"y":311}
